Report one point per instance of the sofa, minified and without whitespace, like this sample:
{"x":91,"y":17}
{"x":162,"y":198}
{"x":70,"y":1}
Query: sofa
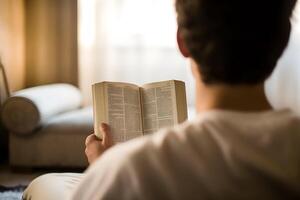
{"x":47,"y":127}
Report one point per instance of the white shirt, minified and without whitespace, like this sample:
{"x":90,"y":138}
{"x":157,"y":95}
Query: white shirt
{"x":219,"y":155}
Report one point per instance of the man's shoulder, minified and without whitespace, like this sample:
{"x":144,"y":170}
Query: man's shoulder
{"x":205,"y":128}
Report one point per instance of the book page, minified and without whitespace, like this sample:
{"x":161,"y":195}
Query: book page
{"x":159,"y":106}
{"x":124,"y":111}
{"x":99,"y":107}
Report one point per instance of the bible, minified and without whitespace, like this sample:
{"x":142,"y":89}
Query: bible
{"x":133,"y":111}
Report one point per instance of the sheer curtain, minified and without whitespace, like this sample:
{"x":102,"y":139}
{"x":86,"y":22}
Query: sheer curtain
{"x":129,"y":40}
{"x":283,"y":87}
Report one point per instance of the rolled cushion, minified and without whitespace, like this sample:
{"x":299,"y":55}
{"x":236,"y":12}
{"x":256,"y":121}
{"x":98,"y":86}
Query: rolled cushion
{"x":29,"y":109}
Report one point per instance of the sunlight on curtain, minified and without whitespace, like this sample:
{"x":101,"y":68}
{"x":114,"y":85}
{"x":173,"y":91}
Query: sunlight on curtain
{"x":283,"y":87}
{"x":129,"y":40}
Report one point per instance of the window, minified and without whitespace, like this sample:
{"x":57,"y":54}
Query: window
{"x":129,"y":40}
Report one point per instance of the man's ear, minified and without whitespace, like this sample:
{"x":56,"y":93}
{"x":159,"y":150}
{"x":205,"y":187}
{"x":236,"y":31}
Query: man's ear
{"x":181,"y":44}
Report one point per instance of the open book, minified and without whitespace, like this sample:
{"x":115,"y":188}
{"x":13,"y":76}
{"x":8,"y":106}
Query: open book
{"x":133,"y":111}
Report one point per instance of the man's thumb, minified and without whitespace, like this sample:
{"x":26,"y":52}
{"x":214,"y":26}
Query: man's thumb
{"x":107,"y":137}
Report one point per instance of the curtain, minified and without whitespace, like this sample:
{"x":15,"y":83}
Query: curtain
{"x":134,"y":40}
{"x":38,"y":41}
{"x":4,"y":88}
{"x":129,"y":40}
{"x":51,"y":42}
{"x":283,"y":87}
{"x":12,"y":49}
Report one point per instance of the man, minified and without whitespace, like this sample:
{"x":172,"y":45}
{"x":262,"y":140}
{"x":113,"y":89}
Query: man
{"x":237,"y":147}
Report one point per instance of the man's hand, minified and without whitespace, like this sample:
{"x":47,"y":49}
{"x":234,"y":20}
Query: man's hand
{"x":94,"y":147}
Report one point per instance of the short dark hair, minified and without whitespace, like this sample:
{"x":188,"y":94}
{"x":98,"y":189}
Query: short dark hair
{"x":234,"y":41}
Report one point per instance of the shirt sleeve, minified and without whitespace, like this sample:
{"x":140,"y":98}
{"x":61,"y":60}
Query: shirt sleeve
{"x":106,"y":178}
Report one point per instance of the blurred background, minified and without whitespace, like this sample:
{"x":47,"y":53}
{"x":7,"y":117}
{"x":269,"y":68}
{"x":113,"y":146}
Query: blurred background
{"x":86,"y":41}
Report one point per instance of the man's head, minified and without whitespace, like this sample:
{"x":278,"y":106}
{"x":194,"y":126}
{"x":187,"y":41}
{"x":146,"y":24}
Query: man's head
{"x":232,"y":41}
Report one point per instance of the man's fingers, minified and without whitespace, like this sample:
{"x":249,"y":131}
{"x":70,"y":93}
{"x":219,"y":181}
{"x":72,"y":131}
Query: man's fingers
{"x":90,"y":139}
{"x":95,"y":146}
{"x":107,"y":137}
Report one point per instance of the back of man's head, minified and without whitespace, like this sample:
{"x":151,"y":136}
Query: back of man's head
{"x":234,"y":41}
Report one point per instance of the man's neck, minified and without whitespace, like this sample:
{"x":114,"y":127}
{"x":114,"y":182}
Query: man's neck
{"x":237,"y":98}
